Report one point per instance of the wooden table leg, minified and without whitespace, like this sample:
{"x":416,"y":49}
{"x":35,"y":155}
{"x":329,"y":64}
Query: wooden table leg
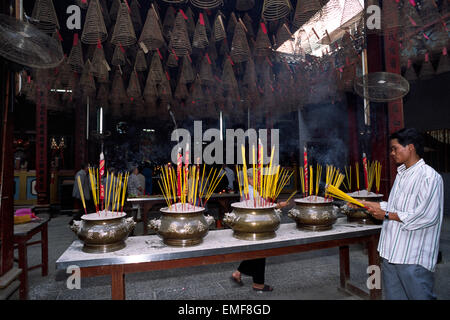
{"x":23,"y":264}
{"x":44,"y":250}
{"x":344,"y":265}
{"x":374,"y":259}
{"x":117,"y":283}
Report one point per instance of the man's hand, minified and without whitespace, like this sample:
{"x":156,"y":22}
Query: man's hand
{"x":374,"y":209}
{"x":281,"y":204}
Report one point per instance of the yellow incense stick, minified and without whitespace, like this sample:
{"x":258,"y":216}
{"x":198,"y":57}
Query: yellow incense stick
{"x":336,"y":193}
{"x":81,"y":194}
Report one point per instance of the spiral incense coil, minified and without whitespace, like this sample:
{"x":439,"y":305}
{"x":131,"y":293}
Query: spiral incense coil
{"x":248,"y":23}
{"x":240,"y":51}
{"x":181,"y":91}
{"x":94,"y":28}
{"x":206,"y":4}
{"x":229,"y":81}
{"x":151,"y":35}
{"x":118,"y":58}
{"x":427,"y":70}
{"x":200,"y":38}
{"x":263,"y":46}
{"x":134,"y":88}
{"x":179,"y":38}
{"x":212,"y":50}
{"x":275,"y":9}
{"x":444,"y":64}
{"x":283,"y":35}
{"x":150,"y":91}
{"x":187,"y":73}
{"x":140,"y":63}
{"x":219,"y":27}
{"x":99,"y":65}
{"x":244,"y":5}
{"x":172,"y":60}
{"x":118,"y":93}
{"x":87,"y":82}
{"x":64,"y":77}
{"x":169,"y":22}
{"x":190,"y":22}
{"x":164,"y":90}
{"x":44,"y":16}
{"x":250,"y":77}
{"x":75,"y":59}
{"x":156,"y":72}
{"x":123,"y":30}
{"x":197,"y":96}
{"x":205,"y":74}
{"x":102,"y":95}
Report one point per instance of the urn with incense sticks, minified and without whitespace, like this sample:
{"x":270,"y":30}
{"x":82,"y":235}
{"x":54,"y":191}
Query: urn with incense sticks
{"x":182,"y":225}
{"x":103,"y":231}
{"x":250,"y":222}
{"x":360,"y":215}
{"x":314,"y":213}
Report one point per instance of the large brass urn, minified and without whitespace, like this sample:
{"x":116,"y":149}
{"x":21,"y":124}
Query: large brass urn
{"x":361,"y":215}
{"x":314,"y":213}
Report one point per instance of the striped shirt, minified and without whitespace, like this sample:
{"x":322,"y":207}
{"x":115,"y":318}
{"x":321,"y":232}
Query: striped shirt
{"x":417,"y":197}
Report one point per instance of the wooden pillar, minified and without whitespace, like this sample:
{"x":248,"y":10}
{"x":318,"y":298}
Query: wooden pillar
{"x":392,"y":64}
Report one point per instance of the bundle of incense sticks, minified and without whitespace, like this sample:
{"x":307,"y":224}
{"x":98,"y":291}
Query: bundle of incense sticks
{"x":336,"y":193}
{"x":193,"y":189}
{"x":266,"y":187}
{"x":115,"y":190}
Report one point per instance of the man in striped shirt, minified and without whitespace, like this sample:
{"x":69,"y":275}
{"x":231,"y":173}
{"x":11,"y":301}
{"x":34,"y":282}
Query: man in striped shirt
{"x":412,"y":219}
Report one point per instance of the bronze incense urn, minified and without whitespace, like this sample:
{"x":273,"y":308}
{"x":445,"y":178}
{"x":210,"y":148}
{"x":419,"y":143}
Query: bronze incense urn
{"x":182,"y":225}
{"x":314,"y":213}
{"x":361,"y":215}
{"x":103,"y":231}
{"x":253,"y":222}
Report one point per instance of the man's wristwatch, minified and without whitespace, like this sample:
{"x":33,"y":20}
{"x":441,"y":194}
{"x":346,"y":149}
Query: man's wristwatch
{"x":386,"y":215}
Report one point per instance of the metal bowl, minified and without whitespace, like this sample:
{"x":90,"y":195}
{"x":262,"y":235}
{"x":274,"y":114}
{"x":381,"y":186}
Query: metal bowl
{"x":257,"y":223}
{"x":315,"y":215}
{"x":361,"y":215}
{"x":103,"y":234}
{"x":181,"y":229}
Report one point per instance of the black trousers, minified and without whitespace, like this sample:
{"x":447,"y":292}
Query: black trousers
{"x":254,"y":268}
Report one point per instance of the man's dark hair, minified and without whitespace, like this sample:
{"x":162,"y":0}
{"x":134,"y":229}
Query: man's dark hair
{"x":407,"y":136}
{"x":84,"y":166}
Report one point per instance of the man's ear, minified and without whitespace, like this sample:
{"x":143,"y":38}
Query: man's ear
{"x":412,"y":148}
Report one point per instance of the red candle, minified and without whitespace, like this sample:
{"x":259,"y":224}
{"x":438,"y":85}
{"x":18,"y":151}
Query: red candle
{"x":102,"y":173}
{"x":179,"y":165}
{"x":305,"y":166}
{"x":366,"y":181}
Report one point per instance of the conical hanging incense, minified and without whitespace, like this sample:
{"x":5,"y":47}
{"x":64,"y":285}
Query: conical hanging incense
{"x":212,"y":50}
{"x":164,"y":90}
{"x":427,"y":70}
{"x":134,"y":88}
{"x":444,"y":63}
{"x":283,"y":35}
{"x":123,"y":29}
{"x":187,"y":73}
{"x":75,"y":59}
{"x":136,"y":15}
{"x":118,"y":58}
{"x":206,"y":4}
{"x":140,"y":63}
{"x":229,"y":81}
{"x":410,"y":73}
{"x":151,"y":35}
{"x":118,"y":93}
{"x":232,"y":21}
{"x":99,"y":66}
{"x":200,"y":38}
{"x":179,"y":38}
{"x":275,"y":9}
{"x":197,"y":96}
{"x":190,"y":22}
{"x":248,"y":23}
{"x":169,"y":21}
{"x":244,"y":5}
{"x":156,"y":73}
{"x":205,"y":74}
{"x":263,"y":46}
{"x":44,"y":16}
{"x":219,"y":27}
{"x":181,"y":91}
{"x":94,"y":28}
{"x":102,"y":95}
{"x":240,"y":51}
{"x":114,"y":9}
{"x":150,"y":91}
{"x":105,"y":13}
{"x":172,"y":60}
{"x":304,"y":11}
{"x":87,"y":82}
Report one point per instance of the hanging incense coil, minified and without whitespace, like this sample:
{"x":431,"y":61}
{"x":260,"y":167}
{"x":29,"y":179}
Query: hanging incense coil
{"x":200,"y":38}
{"x":444,"y":64}
{"x":275,"y":9}
{"x":179,"y":38}
{"x":102,"y":95}
{"x":150,"y":91}
{"x":151,"y":34}
{"x":283,"y":35}
{"x":181,"y":91}
{"x":219,"y":27}
{"x":232,"y":22}
{"x":156,"y":72}
{"x":75,"y":59}
{"x":206,"y":4}
{"x":99,"y":66}
{"x":427,"y":70}
{"x":410,"y":73}
{"x":229,"y":81}
{"x":114,"y":9}
{"x":44,"y":16}
{"x":169,"y":22}
{"x":105,"y":13}
{"x":224,"y":49}
{"x":140,"y":63}
{"x":64,"y":76}
{"x":164,"y":90}
{"x":190,"y":22}
{"x":212,"y":50}
{"x":263,"y":46}
{"x":244,"y":5}
{"x":134,"y":88}
{"x":197,"y":96}
{"x":304,"y":11}
{"x":172,"y":60}
{"x":118,"y":58}
{"x":87,"y":82}
{"x":240,"y":51}
{"x":94,"y":28}
{"x":123,"y":30}
{"x":205,"y":74}
{"x":135,"y":15}
{"x":187,"y":73}
{"x":248,"y":23}
{"x":118,"y":93}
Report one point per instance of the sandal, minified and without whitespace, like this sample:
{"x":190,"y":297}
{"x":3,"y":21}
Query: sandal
{"x":266,"y":288}
{"x":237,"y":281}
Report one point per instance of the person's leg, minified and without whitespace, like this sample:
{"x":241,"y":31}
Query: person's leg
{"x":417,"y":281}
{"x":392,"y":286}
